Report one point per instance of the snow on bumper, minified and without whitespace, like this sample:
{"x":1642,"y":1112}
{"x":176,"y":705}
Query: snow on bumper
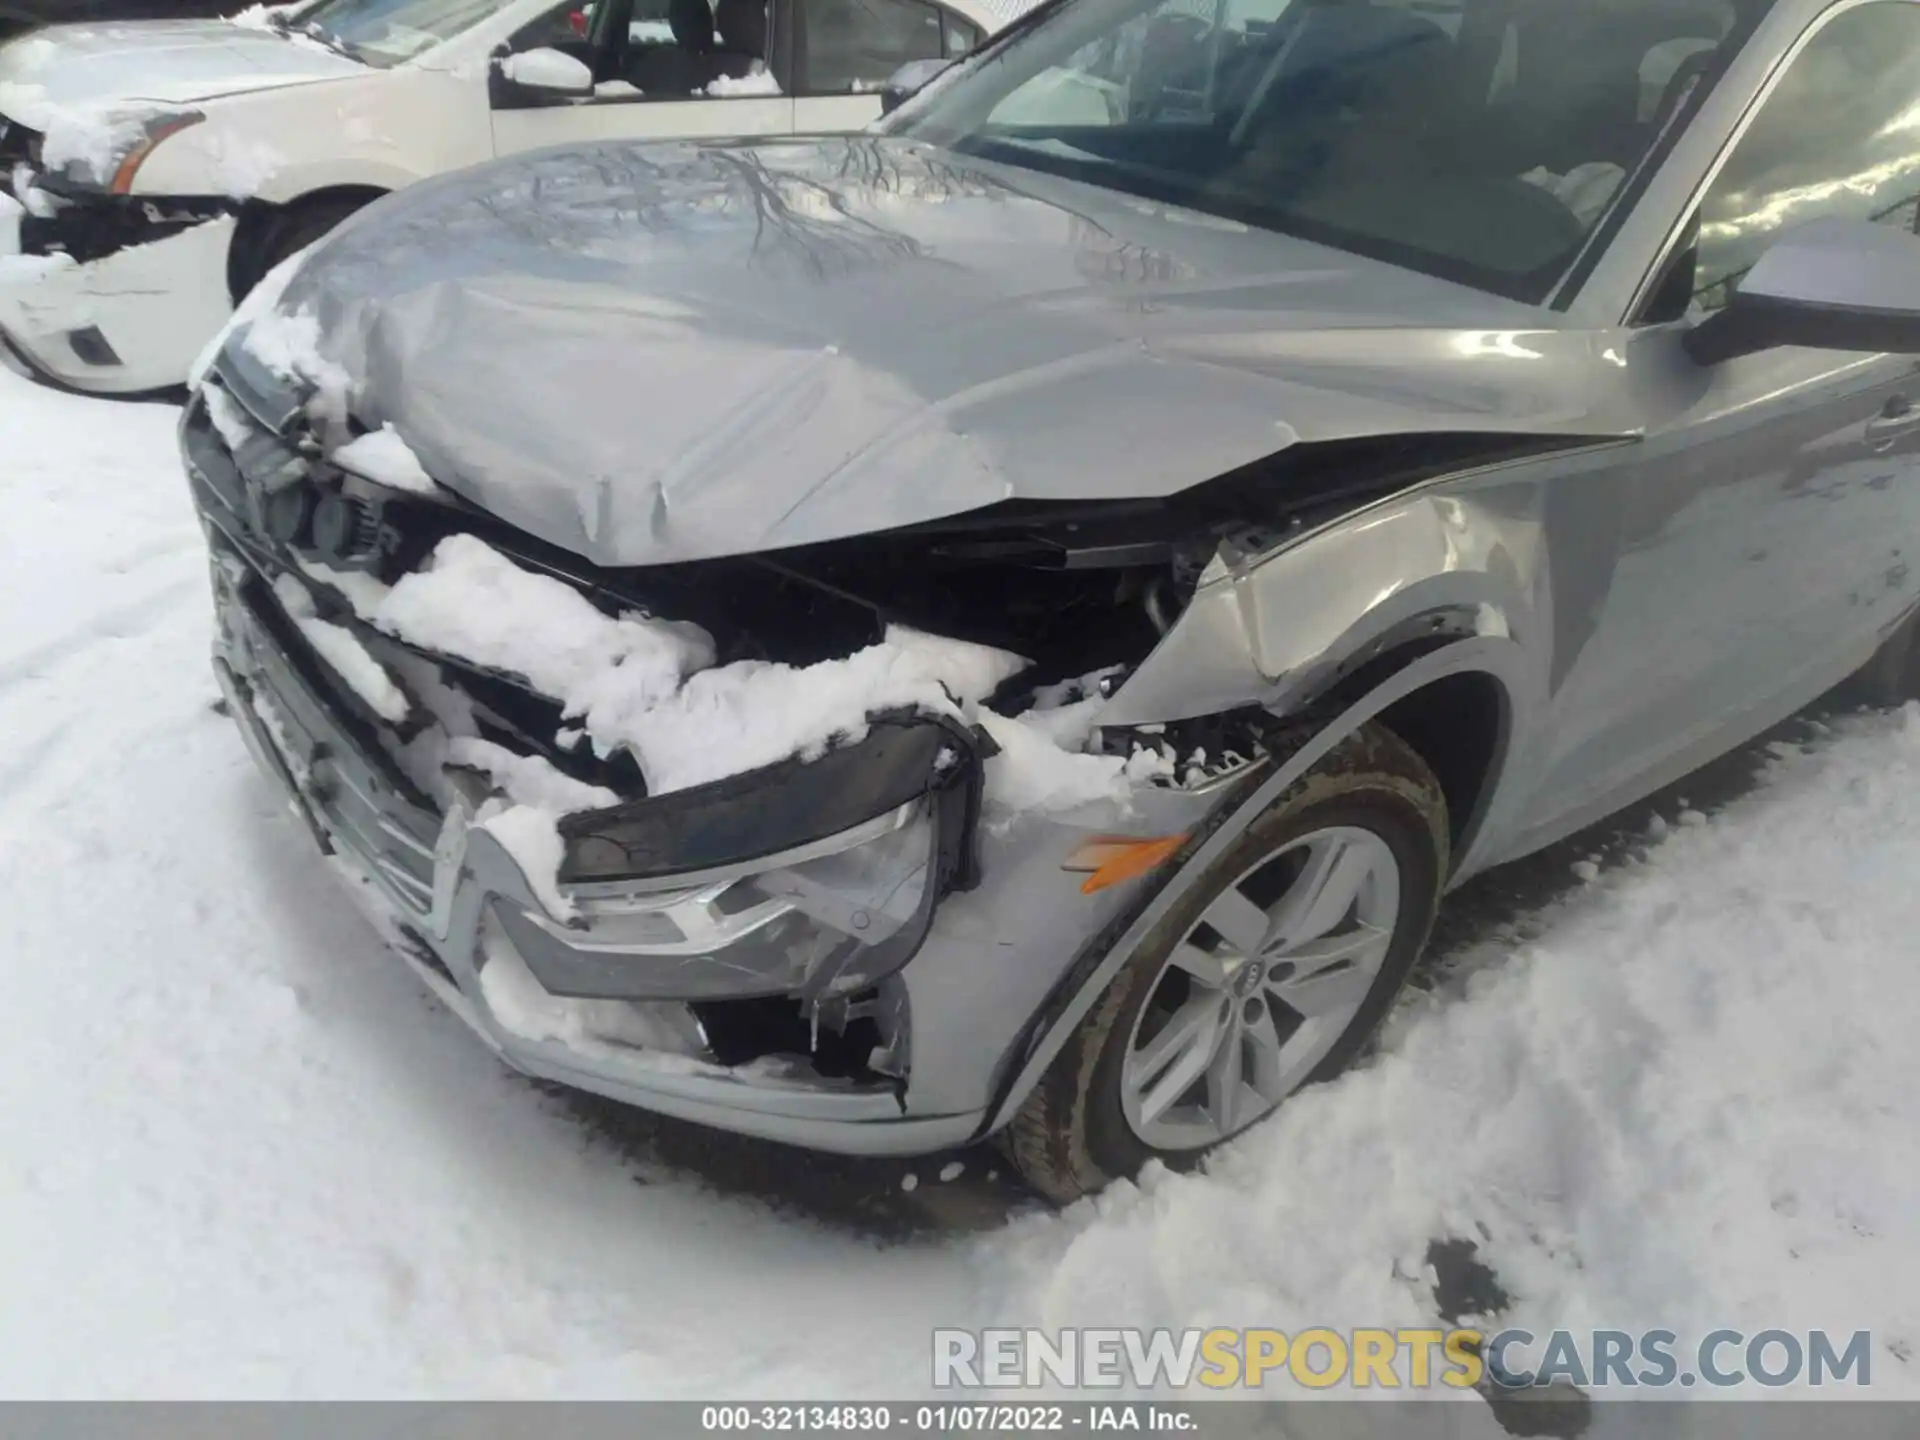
{"x":595,"y":1001}
{"x":126,"y":322}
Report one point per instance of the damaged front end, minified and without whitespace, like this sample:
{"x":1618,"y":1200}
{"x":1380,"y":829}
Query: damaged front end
{"x":99,"y":287}
{"x":837,"y":939}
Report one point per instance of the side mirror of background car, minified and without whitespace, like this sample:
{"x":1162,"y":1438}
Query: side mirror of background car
{"x":1828,"y":284}
{"x":550,"y":72}
{"x":909,"y":80}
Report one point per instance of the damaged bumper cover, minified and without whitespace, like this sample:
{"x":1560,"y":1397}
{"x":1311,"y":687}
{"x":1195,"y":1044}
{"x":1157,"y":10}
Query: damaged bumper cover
{"x":838,"y":913}
{"x":905,"y":937}
{"x":112,"y":293}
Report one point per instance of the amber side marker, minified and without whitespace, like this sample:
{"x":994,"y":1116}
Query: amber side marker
{"x":1108,"y":860}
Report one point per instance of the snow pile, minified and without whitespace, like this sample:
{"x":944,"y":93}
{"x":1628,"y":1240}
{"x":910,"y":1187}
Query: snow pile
{"x":526,"y":821}
{"x":288,"y":344}
{"x":600,"y":1028}
{"x":472,"y":603}
{"x":644,"y":684}
{"x":342,"y":650}
{"x":384,"y":458}
{"x":1036,"y":771}
{"x":528,"y":779}
{"x":1691,"y":1102}
{"x":757,"y":81}
{"x":261,"y":17}
{"x":229,"y":417}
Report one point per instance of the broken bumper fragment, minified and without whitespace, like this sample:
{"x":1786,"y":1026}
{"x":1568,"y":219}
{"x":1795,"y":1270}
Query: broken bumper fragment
{"x":115,"y":294}
{"x":609,"y":998}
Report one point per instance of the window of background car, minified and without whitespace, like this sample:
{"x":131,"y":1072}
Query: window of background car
{"x":1839,"y":136}
{"x":960,"y":36}
{"x":662,"y":50}
{"x":847,"y":45}
{"x":1479,"y":140}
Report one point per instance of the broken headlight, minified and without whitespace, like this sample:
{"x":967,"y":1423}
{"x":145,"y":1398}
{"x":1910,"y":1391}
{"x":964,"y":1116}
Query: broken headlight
{"x":766,"y":812}
{"x":828,"y":920}
{"x":814,"y":878}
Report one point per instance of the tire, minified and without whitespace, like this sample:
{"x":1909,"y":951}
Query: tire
{"x":295,"y":228}
{"x":1892,"y":677}
{"x":1372,"y":794}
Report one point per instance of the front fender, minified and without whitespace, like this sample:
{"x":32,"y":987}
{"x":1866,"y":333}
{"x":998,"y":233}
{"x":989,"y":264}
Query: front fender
{"x":1284,"y":627}
{"x":1088,"y":978}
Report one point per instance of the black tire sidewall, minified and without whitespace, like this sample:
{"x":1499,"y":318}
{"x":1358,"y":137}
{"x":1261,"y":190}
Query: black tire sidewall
{"x":300,"y":227}
{"x":1381,"y":804}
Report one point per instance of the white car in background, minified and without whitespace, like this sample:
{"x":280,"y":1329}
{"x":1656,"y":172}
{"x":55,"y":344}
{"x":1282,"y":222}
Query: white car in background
{"x":152,"y":173}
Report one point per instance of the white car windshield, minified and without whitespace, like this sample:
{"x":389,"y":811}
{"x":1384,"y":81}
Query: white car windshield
{"x":1483,"y":141}
{"x":385,"y":32}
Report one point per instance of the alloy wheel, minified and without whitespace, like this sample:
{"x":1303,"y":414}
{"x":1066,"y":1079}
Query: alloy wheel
{"x":1260,"y":988}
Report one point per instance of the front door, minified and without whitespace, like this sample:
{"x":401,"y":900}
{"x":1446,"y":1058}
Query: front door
{"x":1769,"y":530}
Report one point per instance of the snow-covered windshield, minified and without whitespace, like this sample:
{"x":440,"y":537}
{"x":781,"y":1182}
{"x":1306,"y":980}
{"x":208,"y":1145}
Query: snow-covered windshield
{"x":1478,"y":140}
{"x":385,"y":32}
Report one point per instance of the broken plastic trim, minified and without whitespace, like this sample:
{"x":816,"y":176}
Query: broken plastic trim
{"x":92,"y":225}
{"x":796,"y":802}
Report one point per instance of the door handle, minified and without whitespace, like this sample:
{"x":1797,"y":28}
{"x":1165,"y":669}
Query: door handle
{"x":1899,"y":417}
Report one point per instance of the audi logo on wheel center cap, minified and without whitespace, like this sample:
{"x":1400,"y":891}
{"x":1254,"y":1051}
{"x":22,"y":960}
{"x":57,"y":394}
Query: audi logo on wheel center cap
{"x":1247,"y":979}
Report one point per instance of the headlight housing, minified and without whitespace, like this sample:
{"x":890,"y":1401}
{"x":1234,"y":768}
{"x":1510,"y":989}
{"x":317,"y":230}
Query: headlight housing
{"x":104,"y":150}
{"x":769,"y":811}
{"x":810,"y":878}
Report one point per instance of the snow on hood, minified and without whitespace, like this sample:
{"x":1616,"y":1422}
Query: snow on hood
{"x":658,"y":352}
{"x":157,"y":62}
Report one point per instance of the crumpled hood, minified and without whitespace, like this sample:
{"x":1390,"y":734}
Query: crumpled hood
{"x":654,"y":353}
{"x":165,"y":61}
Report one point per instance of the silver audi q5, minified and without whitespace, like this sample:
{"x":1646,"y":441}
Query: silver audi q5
{"x":1425,"y":425}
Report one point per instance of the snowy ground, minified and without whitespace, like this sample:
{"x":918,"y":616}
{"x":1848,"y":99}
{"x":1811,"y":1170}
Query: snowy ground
{"x":242,"y":1154}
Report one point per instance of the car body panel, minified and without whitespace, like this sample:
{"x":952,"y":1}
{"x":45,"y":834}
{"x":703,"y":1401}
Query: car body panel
{"x":700,"y":351}
{"x":708,"y":287}
{"x":286,"y":118}
{"x":170,"y":61}
{"x":20,"y":16}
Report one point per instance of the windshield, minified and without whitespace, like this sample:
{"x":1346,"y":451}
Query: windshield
{"x":1478,"y":140}
{"x":385,"y":32}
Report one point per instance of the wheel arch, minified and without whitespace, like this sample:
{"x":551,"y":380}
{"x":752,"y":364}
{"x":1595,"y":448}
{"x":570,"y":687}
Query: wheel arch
{"x":1459,"y":697}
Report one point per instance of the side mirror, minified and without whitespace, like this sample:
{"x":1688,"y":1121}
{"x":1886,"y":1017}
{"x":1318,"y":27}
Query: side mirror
{"x":549,"y":72}
{"x":909,"y":80}
{"x":1828,"y":285}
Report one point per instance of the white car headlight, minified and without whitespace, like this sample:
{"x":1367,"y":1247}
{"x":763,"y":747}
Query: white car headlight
{"x":104,"y":150}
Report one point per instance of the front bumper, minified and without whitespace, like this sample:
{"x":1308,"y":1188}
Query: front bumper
{"x":958,"y":1015}
{"x":127,"y":322}
{"x":437,"y":890}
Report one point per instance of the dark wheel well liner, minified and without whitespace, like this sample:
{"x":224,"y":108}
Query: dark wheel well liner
{"x":260,"y":220}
